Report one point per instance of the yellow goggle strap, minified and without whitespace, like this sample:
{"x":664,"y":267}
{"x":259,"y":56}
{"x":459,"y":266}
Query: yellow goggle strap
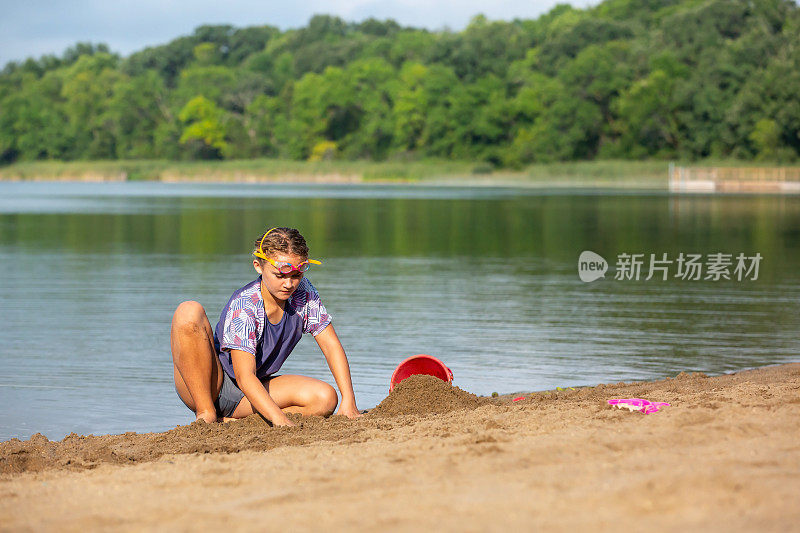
{"x":259,"y":253}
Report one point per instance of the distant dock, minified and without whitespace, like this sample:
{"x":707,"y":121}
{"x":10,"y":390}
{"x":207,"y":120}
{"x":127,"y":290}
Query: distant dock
{"x":776,"y":180}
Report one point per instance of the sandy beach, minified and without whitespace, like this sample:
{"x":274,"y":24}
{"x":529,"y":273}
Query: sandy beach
{"x":725,"y":456}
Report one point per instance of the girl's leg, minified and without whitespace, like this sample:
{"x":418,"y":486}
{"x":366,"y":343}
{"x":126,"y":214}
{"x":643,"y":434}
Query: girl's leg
{"x":196,"y":369}
{"x":296,"y":394}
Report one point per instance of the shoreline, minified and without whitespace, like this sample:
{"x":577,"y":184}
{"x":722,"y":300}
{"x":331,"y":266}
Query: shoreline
{"x":505,"y":399}
{"x":500,"y":399}
{"x":575,"y":185}
{"x":722,"y":457}
{"x":580,"y":174}
{"x":648,"y":173}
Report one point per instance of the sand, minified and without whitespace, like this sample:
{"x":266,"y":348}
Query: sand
{"x":724,"y":457}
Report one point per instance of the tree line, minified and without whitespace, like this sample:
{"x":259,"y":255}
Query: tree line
{"x":627,"y":79}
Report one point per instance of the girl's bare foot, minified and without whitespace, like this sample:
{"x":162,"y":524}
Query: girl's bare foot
{"x":207,"y":416}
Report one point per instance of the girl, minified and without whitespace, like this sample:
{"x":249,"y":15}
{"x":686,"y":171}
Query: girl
{"x":230,"y":372}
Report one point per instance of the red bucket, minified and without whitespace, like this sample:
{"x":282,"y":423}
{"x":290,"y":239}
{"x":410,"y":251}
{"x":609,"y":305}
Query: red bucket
{"x":421,"y":364}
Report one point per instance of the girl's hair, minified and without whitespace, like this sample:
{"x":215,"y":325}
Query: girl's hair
{"x":281,"y":240}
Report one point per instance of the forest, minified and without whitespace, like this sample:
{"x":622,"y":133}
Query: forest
{"x":626,"y":79}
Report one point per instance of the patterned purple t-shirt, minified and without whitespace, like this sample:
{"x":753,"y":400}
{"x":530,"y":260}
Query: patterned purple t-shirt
{"x":243,"y":326}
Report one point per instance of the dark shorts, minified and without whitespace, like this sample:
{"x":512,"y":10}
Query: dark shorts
{"x":229,"y":396}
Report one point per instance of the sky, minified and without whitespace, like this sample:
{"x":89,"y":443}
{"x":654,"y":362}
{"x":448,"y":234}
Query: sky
{"x":32,"y":28}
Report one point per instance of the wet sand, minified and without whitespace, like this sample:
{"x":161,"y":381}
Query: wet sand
{"x":724,"y":456}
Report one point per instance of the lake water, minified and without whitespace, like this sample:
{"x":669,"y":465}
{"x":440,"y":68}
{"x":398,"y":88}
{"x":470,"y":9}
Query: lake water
{"x":486,"y":279}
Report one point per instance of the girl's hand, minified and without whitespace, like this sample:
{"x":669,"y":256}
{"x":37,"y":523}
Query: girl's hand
{"x":349,"y":410}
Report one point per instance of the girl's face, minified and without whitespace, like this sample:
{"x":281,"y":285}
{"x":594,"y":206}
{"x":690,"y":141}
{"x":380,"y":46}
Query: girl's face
{"x":280,"y":286}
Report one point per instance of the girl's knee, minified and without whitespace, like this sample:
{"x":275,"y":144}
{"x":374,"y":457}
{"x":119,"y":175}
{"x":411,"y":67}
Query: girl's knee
{"x":189,"y":315}
{"x":327,"y":400}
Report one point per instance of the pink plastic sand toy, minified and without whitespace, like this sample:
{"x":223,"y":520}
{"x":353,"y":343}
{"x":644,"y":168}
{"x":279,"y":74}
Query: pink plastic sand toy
{"x":637,"y":404}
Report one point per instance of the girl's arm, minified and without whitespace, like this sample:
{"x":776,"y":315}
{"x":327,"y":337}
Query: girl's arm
{"x":329,"y":343}
{"x":244,"y":366}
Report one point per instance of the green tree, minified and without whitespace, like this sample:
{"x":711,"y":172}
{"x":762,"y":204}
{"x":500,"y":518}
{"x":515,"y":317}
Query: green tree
{"x":264,"y":119}
{"x":480,"y":115}
{"x":573,"y":31}
{"x":599,"y":73}
{"x":370,"y":82}
{"x":87,"y":89}
{"x":32,"y":122}
{"x":437,"y":86}
{"x":409,"y":46}
{"x":212,"y":82}
{"x":766,"y":136}
{"x":771,"y":94}
{"x":411,"y":106}
{"x":204,"y":128}
{"x":625,"y":78}
{"x":483,"y":48}
{"x":552,"y":124}
{"x":647,"y":113}
{"x":136,"y":110}
{"x":245,"y":42}
{"x":207,"y":54}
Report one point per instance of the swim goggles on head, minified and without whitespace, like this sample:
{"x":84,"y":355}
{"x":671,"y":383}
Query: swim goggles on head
{"x":286,"y":268}
{"x":283,"y":267}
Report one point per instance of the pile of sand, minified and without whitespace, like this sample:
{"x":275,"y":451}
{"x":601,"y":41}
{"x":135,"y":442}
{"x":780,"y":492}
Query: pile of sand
{"x":422,"y":395}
